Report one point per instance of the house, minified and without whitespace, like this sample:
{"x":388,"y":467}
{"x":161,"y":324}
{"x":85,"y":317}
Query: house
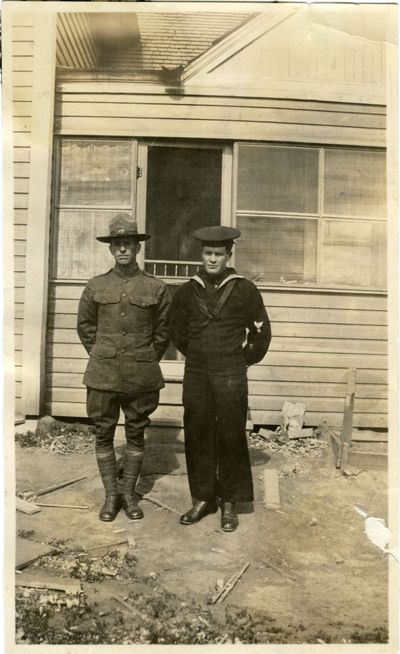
{"x":269,"y":117}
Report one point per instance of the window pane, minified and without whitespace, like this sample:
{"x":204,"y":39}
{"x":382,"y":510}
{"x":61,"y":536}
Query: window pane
{"x":183,"y":193}
{"x":353,"y":254}
{"x":277,"y":249}
{"x":77,"y":253}
{"x":96,"y":173}
{"x":277,"y":179}
{"x":355,"y":183}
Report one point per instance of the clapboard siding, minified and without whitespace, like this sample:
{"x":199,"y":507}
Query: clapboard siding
{"x":307,"y":362}
{"x":83,"y":110}
{"x":22,"y":72}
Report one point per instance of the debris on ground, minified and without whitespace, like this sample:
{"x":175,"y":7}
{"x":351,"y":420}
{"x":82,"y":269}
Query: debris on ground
{"x":297,"y":453}
{"x":224,"y":591}
{"x":49,"y":489}
{"x":78,"y":563}
{"x":25,"y":506}
{"x":58,"y":437}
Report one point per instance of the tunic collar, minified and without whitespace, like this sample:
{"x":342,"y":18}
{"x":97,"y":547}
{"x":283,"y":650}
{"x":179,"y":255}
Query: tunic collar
{"x":126,"y":274}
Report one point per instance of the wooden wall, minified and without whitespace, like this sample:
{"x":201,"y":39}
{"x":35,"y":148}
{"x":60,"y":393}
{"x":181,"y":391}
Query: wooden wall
{"x":101,"y":108}
{"x":316,"y":337}
{"x":22,"y":70}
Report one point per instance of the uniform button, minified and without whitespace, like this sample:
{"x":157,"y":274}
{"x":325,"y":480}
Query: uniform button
{"x":123,"y":333}
{"x":125,"y":280}
{"x":143,"y":304}
{"x":122,"y":314}
{"x":123,"y":294}
{"x":123,"y":351}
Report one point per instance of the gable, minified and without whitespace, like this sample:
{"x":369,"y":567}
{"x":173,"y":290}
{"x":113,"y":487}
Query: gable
{"x":318,"y":52}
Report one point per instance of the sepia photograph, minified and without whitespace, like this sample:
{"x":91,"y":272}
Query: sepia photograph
{"x":200,"y":285}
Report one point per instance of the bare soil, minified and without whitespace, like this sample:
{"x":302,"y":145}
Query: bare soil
{"x":313,"y":575}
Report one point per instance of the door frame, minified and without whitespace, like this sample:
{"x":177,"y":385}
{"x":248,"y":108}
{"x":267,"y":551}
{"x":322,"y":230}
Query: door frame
{"x":141,"y":189}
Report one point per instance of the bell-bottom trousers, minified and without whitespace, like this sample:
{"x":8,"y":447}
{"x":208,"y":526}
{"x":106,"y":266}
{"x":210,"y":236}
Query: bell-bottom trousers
{"x":217,"y":456}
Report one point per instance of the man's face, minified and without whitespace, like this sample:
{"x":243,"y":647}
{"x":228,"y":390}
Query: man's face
{"x":124,"y":250}
{"x":215,"y":259}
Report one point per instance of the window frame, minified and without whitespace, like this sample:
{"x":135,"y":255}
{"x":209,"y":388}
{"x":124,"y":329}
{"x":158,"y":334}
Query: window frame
{"x":320,"y":217}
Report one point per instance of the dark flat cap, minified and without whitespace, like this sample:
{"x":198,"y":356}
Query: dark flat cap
{"x":216,"y":234}
{"x":122,"y":225}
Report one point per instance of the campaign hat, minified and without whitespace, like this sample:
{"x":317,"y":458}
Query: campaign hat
{"x":123,"y":225}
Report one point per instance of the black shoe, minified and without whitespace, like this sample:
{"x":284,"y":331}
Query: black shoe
{"x":229,"y":519}
{"x":110,"y":508}
{"x":131,"y":508}
{"x":199,"y":510}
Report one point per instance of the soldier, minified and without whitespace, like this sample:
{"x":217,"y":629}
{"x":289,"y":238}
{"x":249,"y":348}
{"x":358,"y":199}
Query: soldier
{"x":210,"y":317}
{"x":123,"y":325}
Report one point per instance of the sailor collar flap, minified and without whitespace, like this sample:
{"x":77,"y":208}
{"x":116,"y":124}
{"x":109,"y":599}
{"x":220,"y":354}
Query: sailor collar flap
{"x":198,"y":279}
{"x":213,"y":313}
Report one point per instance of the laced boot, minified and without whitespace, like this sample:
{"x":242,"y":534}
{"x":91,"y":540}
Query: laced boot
{"x":132,"y":466}
{"x":108,"y":473}
{"x":229,"y":519}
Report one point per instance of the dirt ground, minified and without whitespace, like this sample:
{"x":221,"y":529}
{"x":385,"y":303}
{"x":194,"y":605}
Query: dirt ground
{"x":313,"y":574}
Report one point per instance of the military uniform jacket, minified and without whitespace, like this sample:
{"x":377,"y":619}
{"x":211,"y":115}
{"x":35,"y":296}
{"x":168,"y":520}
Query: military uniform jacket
{"x":225,"y":336}
{"x":123,"y":323}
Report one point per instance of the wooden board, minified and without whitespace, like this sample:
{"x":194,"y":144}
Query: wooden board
{"x":26,"y":507}
{"x":271,"y":489}
{"x":28,"y":551}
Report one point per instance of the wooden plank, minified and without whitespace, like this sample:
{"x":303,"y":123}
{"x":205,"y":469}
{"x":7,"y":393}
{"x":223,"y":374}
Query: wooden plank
{"x":20,"y":217}
{"x":21,"y":185}
{"x":186,"y":111}
{"x":21,"y":108}
{"x":28,"y":551}
{"x":172,"y":393}
{"x":374,"y":420}
{"x":274,"y":298}
{"x":116,"y":92}
{"x":337,"y":300}
{"x":347,"y":426}
{"x":326,"y":316}
{"x":172,"y":396}
{"x":309,"y":359}
{"x":21,"y":200}
{"x":211,"y":129}
{"x":22,"y":154}
{"x":69,"y":586}
{"x":26,"y":507}
{"x":19,"y":279}
{"x":271,"y":489}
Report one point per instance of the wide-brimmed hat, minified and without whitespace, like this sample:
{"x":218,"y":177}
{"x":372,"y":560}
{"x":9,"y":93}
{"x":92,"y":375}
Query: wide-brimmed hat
{"x":123,"y":225}
{"x":217,"y":234}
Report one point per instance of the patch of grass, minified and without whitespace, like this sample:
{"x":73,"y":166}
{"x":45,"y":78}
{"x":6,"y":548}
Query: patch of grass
{"x":376,"y":635}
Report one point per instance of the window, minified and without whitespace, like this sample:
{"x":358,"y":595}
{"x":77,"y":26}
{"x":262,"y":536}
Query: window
{"x":311,"y":216}
{"x":96,"y":180}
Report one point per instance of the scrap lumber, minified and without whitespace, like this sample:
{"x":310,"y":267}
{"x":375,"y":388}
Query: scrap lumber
{"x":50,"y":489}
{"x":282,"y":572}
{"x":271,"y":489}
{"x":68,"y":586}
{"x":301,"y":433}
{"x":29,"y":551}
{"x":107,"y":546}
{"x":347,"y":426}
{"x":63,"y":506}
{"x":25,"y":506}
{"x":222,"y":593}
{"x":154,"y":500}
